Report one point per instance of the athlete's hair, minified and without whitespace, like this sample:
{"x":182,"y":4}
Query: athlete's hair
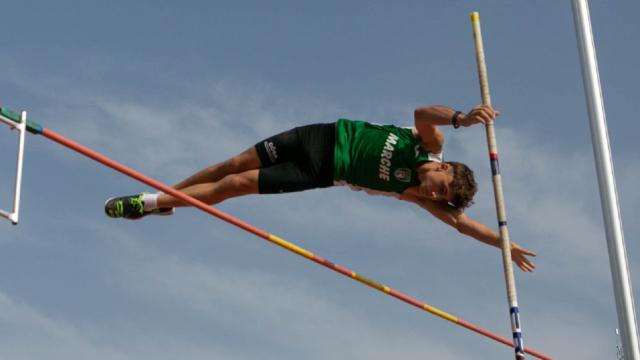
{"x":464,"y":185}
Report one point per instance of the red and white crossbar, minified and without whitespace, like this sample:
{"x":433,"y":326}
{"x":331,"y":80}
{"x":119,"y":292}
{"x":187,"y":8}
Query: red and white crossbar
{"x":37,"y":129}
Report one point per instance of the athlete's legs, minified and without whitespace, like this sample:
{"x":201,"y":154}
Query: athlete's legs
{"x":294,"y":160}
{"x":234,"y":177}
{"x":232,"y":185}
{"x":247,"y":160}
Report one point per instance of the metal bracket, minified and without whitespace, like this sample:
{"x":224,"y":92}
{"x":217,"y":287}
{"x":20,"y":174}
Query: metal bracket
{"x":21,"y":126}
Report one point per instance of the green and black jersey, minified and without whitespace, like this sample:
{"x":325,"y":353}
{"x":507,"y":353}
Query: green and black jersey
{"x":381,"y":158}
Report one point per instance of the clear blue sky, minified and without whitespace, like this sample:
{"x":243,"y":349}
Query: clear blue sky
{"x":169,"y":87}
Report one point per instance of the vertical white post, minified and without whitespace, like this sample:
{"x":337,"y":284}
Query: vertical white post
{"x":606,"y":180}
{"x":21,"y":127}
{"x":16,"y":198}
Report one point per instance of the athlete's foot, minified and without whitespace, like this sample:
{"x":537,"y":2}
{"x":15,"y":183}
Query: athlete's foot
{"x":132,"y":208}
{"x":128,"y":207}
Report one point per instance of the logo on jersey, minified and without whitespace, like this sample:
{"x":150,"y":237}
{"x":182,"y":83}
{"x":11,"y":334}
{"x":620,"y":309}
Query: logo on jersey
{"x":271,"y":150}
{"x":385,"y":157}
{"x":403,"y":174}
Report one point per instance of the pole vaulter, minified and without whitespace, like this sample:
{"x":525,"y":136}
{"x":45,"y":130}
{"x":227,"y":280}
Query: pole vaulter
{"x":37,"y":129}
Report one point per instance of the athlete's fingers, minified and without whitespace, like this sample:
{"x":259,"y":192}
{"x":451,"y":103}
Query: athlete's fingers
{"x":481,"y":114}
{"x":519,"y":256}
{"x":476,"y":117}
{"x":526,"y":266}
{"x":490,"y":111}
{"x":529,"y":264}
{"x":531,"y":267}
{"x":486,"y":108}
{"x":484,"y":115}
{"x":526,"y":252}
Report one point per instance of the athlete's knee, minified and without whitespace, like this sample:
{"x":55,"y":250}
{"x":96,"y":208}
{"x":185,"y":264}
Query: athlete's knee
{"x":241,"y":183}
{"x":231,"y":166}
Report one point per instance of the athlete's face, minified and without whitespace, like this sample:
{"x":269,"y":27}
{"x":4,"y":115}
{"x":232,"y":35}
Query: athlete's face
{"x":435,"y":181}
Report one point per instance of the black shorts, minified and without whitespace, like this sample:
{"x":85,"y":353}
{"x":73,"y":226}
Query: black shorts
{"x":297,"y":159}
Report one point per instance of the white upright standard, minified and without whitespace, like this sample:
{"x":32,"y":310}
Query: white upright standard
{"x":606,"y":180}
{"x":22,"y":128}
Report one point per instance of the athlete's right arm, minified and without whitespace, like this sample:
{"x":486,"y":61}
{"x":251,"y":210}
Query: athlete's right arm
{"x":474,"y":229}
{"x":444,"y":212}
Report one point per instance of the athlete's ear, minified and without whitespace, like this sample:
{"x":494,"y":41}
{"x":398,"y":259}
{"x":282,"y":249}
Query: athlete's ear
{"x":444,"y":166}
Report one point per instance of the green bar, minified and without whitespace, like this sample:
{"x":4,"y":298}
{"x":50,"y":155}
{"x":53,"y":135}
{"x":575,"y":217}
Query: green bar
{"x":32,"y":127}
{"x":10,"y":115}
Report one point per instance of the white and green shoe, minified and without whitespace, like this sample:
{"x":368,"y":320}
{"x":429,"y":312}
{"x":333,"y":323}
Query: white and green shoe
{"x":132,"y":208}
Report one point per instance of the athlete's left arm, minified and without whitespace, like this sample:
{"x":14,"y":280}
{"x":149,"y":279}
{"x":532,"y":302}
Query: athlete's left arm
{"x":466,"y":225}
{"x":428,"y":118}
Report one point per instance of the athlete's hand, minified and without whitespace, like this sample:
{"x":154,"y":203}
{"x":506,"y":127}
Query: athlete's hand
{"x":519,"y":256}
{"x":481,"y":114}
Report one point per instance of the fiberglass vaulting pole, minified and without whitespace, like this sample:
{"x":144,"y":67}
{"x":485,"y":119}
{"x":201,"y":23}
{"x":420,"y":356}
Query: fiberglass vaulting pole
{"x":606,"y":180}
{"x":505,"y":243}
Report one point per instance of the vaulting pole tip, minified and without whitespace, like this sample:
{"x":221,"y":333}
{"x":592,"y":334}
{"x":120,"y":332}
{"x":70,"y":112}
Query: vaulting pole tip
{"x":475,"y":16}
